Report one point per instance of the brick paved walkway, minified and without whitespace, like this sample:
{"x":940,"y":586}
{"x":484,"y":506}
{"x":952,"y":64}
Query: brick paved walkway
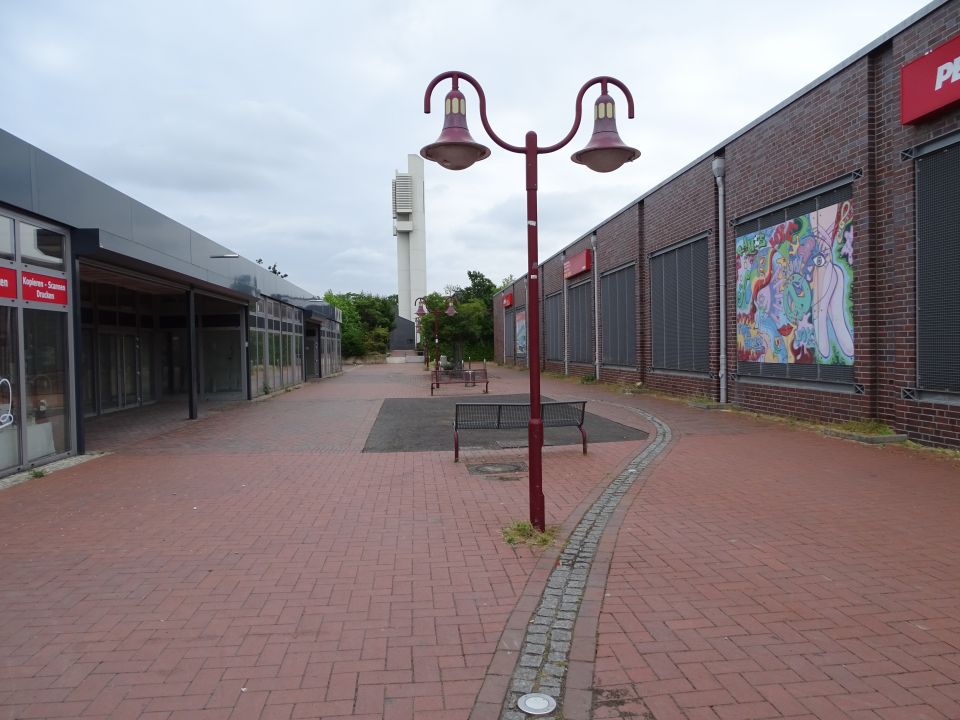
{"x":257,"y":564}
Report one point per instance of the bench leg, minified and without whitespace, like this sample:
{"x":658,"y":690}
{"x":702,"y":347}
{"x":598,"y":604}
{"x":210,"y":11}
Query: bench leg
{"x":486,"y":386}
{"x":456,"y":446}
{"x":431,"y":388}
{"x":584,"y":436}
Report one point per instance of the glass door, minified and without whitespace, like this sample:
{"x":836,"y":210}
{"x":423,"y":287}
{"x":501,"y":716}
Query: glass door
{"x":129,"y":370}
{"x":147,"y":393}
{"x":89,"y":372}
{"x":9,"y":390}
{"x":45,"y":372}
{"x":109,"y":372}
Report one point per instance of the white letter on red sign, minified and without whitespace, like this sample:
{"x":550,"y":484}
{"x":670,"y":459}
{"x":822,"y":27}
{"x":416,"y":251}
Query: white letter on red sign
{"x":948,"y":71}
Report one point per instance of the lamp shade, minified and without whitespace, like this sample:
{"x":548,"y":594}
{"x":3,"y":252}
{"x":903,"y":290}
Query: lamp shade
{"x":606,"y":151}
{"x":455,"y":149}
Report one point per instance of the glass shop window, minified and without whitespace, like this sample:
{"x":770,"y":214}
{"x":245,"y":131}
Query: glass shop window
{"x":6,"y":237}
{"x":41,"y":246}
{"x":48,"y":399}
{"x":9,"y":390}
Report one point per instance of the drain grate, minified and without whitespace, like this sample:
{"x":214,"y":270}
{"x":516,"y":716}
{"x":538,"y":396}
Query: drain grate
{"x":495,"y":468}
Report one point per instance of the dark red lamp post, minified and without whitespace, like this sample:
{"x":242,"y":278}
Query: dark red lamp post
{"x":422,"y":310}
{"x":455,"y":149}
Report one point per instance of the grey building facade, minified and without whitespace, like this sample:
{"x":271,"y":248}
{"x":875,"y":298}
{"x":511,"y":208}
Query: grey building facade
{"x":108,"y":305}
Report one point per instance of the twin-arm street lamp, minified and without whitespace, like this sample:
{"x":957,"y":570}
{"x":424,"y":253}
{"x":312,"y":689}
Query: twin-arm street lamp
{"x":422,"y":310}
{"x":455,"y":149}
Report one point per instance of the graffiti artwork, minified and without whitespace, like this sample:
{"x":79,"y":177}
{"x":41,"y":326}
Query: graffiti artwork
{"x":521,"y":332}
{"x":795,"y":290}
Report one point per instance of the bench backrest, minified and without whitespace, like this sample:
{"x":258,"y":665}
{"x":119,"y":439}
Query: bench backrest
{"x":503,"y":416}
{"x":490,"y":416}
{"x":562,"y":414}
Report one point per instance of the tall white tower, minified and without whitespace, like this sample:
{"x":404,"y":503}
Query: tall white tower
{"x":409,"y":227}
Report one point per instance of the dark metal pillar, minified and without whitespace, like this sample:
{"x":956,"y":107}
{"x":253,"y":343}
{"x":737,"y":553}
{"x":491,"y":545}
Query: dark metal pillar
{"x":193,"y":389}
{"x":78,"y":377}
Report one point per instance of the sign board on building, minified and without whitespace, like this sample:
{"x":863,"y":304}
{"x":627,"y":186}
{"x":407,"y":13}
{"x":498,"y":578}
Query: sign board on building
{"x":576,"y":264}
{"x":930,"y":83}
{"x":43,"y":288}
{"x":8,"y":283}
{"x":507,"y":299}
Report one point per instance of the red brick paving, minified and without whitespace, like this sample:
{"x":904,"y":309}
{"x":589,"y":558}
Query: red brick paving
{"x":765,"y":572}
{"x":256,"y":564}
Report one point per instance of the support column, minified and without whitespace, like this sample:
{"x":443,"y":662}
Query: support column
{"x":193,"y":390}
{"x":80,"y":439}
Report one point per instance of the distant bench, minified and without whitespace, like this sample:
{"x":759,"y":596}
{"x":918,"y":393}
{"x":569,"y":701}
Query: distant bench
{"x":469,"y":378}
{"x":515,"y":416}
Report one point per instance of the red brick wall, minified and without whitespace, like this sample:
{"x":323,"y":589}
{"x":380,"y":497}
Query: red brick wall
{"x":618,"y":244}
{"x":848,"y":124}
{"x":683,"y":209}
{"x":896,"y":241}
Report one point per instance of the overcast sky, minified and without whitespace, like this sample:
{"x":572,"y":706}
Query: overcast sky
{"x":274,"y":127}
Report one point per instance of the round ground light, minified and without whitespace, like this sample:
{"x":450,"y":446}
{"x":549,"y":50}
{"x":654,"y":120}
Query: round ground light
{"x":537,"y":704}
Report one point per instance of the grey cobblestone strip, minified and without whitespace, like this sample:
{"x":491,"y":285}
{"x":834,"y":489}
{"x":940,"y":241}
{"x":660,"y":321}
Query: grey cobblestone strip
{"x":546,"y":648}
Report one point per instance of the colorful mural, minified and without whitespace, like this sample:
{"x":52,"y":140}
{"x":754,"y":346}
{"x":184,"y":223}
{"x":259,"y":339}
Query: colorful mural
{"x":795,"y":290}
{"x":521,"y":332}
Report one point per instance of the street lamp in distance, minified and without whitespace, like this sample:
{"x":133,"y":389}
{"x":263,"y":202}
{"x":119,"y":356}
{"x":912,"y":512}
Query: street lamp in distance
{"x":420,"y":312}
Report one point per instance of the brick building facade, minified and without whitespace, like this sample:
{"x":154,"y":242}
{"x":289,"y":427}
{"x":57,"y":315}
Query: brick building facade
{"x":842,"y":256}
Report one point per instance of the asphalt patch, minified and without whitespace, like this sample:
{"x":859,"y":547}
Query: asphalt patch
{"x":426,"y":424}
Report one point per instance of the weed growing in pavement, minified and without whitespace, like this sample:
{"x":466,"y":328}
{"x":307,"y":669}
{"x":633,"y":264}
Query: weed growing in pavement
{"x":587,"y":379}
{"x":945,"y":452}
{"x":38,"y":473}
{"x":522,"y":532}
{"x":864,"y":427}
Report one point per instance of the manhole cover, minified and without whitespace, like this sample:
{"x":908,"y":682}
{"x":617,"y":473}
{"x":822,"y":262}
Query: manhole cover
{"x":495,"y":468}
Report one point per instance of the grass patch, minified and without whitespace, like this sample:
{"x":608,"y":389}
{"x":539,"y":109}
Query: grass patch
{"x":943,"y":452}
{"x":38,"y":473}
{"x":587,"y":379}
{"x":864,"y":427}
{"x":522,"y":532}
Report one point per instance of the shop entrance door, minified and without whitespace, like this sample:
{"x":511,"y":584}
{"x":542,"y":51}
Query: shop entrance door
{"x":119,"y":361}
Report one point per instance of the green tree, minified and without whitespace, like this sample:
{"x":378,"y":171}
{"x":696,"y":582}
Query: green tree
{"x":351,"y":331}
{"x":472,"y":326}
{"x":367,"y":321}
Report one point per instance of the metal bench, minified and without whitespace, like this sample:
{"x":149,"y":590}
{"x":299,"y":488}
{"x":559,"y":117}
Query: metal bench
{"x":515,"y":416}
{"x":469,"y":378}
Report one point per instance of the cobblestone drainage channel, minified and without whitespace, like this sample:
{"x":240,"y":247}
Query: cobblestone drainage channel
{"x":546,"y":648}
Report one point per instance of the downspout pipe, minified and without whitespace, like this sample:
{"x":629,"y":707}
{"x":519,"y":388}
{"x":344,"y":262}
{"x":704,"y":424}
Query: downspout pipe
{"x":596,"y":308}
{"x":719,"y":171}
{"x":566,"y":324}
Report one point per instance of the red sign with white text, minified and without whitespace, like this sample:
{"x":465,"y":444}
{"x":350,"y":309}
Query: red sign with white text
{"x":930,"y":83}
{"x":508,"y":300}
{"x":8,"y":283}
{"x":576,"y":264}
{"x":43,"y":288}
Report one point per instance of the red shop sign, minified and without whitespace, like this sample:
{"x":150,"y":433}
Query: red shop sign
{"x":43,"y":288}
{"x":930,"y":83}
{"x":576,"y":264}
{"x":508,"y":300}
{"x":8,"y":283}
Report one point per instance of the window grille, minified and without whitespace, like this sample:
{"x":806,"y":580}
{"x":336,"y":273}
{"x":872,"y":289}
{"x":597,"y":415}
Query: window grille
{"x":618,"y":317}
{"x":580,"y":322}
{"x":553,"y":315}
{"x":938,"y":266}
{"x":678,"y":305}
